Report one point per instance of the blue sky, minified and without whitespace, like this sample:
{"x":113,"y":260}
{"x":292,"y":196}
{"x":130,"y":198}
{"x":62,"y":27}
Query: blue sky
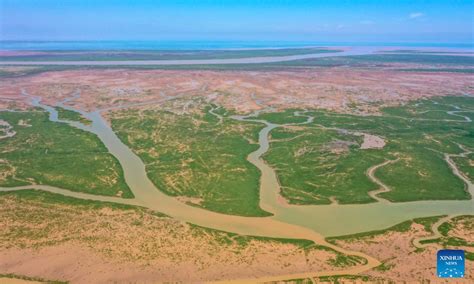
{"x":297,"y":20}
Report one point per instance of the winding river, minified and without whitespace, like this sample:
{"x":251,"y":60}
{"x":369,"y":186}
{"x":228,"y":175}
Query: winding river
{"x":289,"y":221}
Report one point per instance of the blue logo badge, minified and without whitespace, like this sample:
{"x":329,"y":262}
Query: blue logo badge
{"x":450,"y":263}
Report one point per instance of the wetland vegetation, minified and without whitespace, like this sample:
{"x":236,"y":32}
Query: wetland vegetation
{"x":200,"y":155}
{"x":98,"y":55}
{"x":466,"y":165}
{"x":15,"y":278}
{"x":379,"y":60}
{"x":427,"y":222}
{"x":453,"y":234}
{"x":65,"y":114}
{"x":197,"y":156}
{"x":323,"y":160}
{"x":51,"y":153}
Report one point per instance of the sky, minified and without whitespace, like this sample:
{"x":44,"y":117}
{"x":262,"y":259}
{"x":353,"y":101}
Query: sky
{"x":247,"y":20}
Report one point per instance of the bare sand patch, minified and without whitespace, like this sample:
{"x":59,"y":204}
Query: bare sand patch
{"x":463,"y":228}
{"x":6,"y":130}
{"x":372,"y":142}
{"x":191,"y":200}
{"x":404,"y":262}
{"x":86,"y":245}
{"x":243,"y":91}
{"x":338,"y":146}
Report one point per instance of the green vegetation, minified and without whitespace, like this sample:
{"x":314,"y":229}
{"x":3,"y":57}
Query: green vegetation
{"x":452,"y":240}
{"x":401,"y":227}
{"x":466,"y":221}
{"x":415,"y":51}
{"x":296,"y":281}
{"x":242,"y":240}
{"x":323,"y":160}
{"x":466,"y":165}
{"x":346,"y":260}
{"x":22,"y":71}
{"x":287,"y":116}
{"x":65,"y":114}
{"x":433,"y":63}
{"x":197,"y":156}
{"x":449,"y":70}
{"x":416,"y":58}
{"x":379,"y":60}
{"x":335,"y":279}
{"x":56,"y":154}
{"x":447,"y":240}
{"x":445,"y":228}
{"x":345,"y":278}
{"x":308,"y":164}
{"x":45,"y":197}
{"x":340,"y":260}
{"x":27,"y":278}
{"x":43,"y":219}
{"x":384,"y":266}
{"x":427,"y":222}
{"x":161,"y":54}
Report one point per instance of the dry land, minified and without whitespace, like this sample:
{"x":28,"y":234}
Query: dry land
{"x":55,"y":237}
{"x":402,"y":260}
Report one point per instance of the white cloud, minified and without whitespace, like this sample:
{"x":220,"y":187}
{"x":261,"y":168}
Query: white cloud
{"x":415,"y":15}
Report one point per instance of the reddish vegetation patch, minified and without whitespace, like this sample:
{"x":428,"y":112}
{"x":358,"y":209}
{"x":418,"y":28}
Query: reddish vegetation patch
{"x":331,"y":88}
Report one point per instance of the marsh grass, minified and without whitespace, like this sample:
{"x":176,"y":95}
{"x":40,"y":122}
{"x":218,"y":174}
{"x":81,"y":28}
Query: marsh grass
{"x":65,"y":114}
{"x":28,"y":278}
{"x":56,"y":154}
{"x":197,"y":156}
{"x":323,"y":160}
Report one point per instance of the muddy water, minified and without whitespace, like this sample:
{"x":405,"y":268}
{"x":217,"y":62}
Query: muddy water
{"x":248,"y":60}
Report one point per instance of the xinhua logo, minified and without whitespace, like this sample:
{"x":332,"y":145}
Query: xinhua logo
{"x":450,"y":263}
